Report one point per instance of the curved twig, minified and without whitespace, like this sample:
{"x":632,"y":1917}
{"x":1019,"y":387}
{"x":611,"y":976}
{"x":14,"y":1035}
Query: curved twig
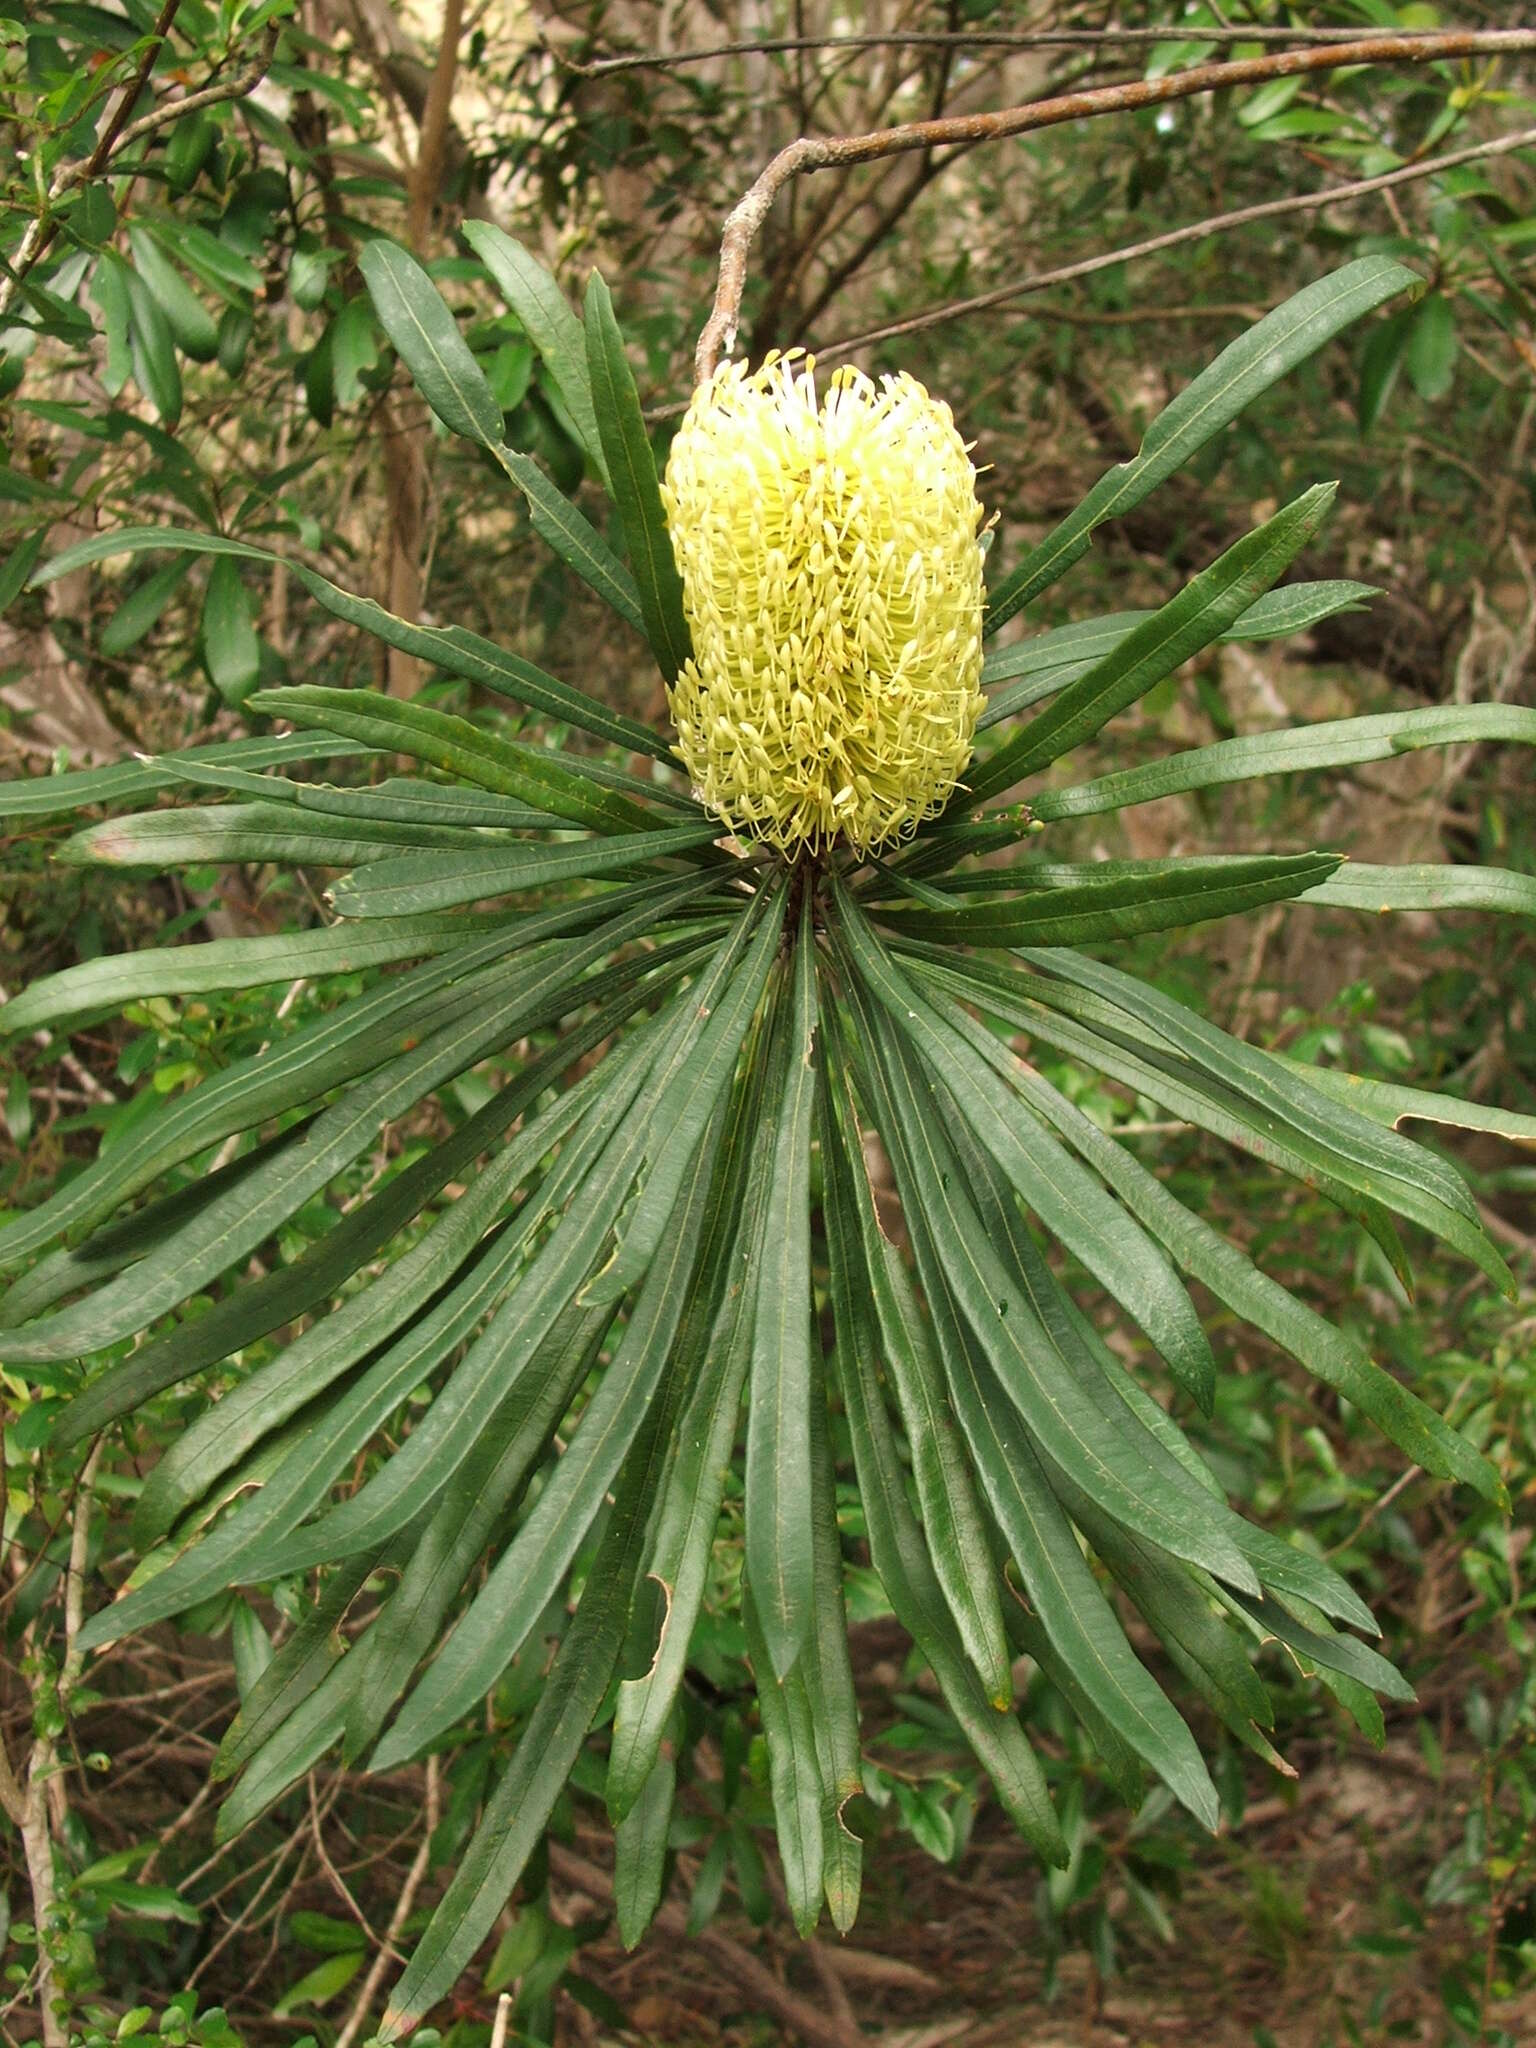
{"x":1171,"y":238}
{"x":1107,"y":37}
{"x":814,"y":153}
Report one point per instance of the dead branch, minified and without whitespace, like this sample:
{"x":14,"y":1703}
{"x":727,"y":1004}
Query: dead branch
{"x":815,"y":153}
{"x":1111,"y":36}
{"x":806,"y":2021}
{"x":1193,"y":231}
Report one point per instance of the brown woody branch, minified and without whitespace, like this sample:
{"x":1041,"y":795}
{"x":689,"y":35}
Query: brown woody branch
{"x":814,"y":153}
{"x":1192,"y":231}
{"x":966,"y":39}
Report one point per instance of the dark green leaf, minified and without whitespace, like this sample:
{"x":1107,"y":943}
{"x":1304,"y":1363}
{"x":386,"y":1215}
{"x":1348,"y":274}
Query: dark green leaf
{"x":640,"y":1853}
{"x":153,"y":351}
{"x":517,"y":1811}
{"x":779,"y":1554}
{"x":1331,"y":744}
{"x":451,"y":648}
{"x":1435,"y":886}
{"x":427,"y":338}
{"x":1249,"y":366}
{"x":952,"y":1521}
{"x":794,"y":1771}
{"x":549,"y":323}
{"x":1134,"y":896}
{"x":632,"y":468}
{"x":41,"y":796}
{"x":1202,"y":611}
{"x":413,"y":884}
{"x":977,"y":1071}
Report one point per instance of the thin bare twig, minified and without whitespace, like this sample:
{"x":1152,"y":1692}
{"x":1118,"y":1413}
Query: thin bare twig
{"x":1193,"y":231}
{"x":1108,"y":37}
{"x":814,"y":153}
{"x":405,"y":1904}
{"x":803,"y":2018}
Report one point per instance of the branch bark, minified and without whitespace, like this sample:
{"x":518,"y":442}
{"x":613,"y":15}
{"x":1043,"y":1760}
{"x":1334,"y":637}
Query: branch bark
{"x":814,"y":153}
{"x":1109,"y":37}
{"x":1192,"y":231}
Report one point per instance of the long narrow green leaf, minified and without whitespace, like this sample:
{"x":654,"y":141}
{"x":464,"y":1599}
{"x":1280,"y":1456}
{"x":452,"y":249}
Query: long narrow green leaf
{"x":401,"y":801}
{"x":411,"y":800}
{"x":640,"y":1853}
{"x":1072,"y":1609}
{"x":235,"y":1219}
{"x":1330,"y":744}
{"x":299,"y":1069}
{"x":1249,"y":366}
{"x":118,"y":978}
{"x":1084,"y":1026}
{"x":221,"y":833}
{"x":413,"y":884}
{"x":779,"y":1552}
{"x":426,"y":1462}
{"x":299,"y":1665}
{"x":507,"y":1451}
{"x":1381,"y":1165}
{"x":827,"y":1674}
{"x":549,"y":323}
{"x":299,"y":1466}
{"x":68,"y":1269}
{"x":1316,"y":1641}
{"x":1046,"y":662}
{"x":427,"y":339}
{"x":1233,"y":1278}
{"x":1143,"y":896}
{"x":714,"y":1348}
{"x":320,"y":1445}
{"x":1179,"y":1609}
{"x":1282,"y":1567}
{"x":681,"y":1119}
{"x":1435,"y":886}
{"x":1069,"y":1202}
{"x":952,"y":1520}
{"x":1065,"y":1415}
{"x":1387,"y":1102}
{"x":576,"y":541}
{"x":518,"y":998}
{"x":1130,"y":1461}
{"x":42,"y":796}
{"x":794,"y":1771}
{"x":288,"y":1755}
{"x":308,"y":1281}
{"x":1081,"y":1626}
{"x":456,"y":747}
{"x":1201,"y":613}
{"x":901,"y":1560}
{"x":269,"y":1397}
{"x":453,"y":649}
{"x":496,"y":1623}
{"x":517,"y":1811}
{"x":632,"y":470}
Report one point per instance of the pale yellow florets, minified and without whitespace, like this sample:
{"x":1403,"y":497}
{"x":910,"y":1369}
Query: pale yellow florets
{"x":831,"y":562}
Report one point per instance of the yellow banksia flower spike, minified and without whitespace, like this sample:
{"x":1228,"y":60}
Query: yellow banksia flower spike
{"x":831,"y":561}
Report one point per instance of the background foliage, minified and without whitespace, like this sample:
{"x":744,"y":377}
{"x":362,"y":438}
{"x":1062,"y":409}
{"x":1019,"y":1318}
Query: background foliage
{"x":199,"y":348}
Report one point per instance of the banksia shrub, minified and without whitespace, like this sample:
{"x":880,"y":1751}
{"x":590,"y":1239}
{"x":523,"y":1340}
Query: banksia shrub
{"x":505,"y":1415}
